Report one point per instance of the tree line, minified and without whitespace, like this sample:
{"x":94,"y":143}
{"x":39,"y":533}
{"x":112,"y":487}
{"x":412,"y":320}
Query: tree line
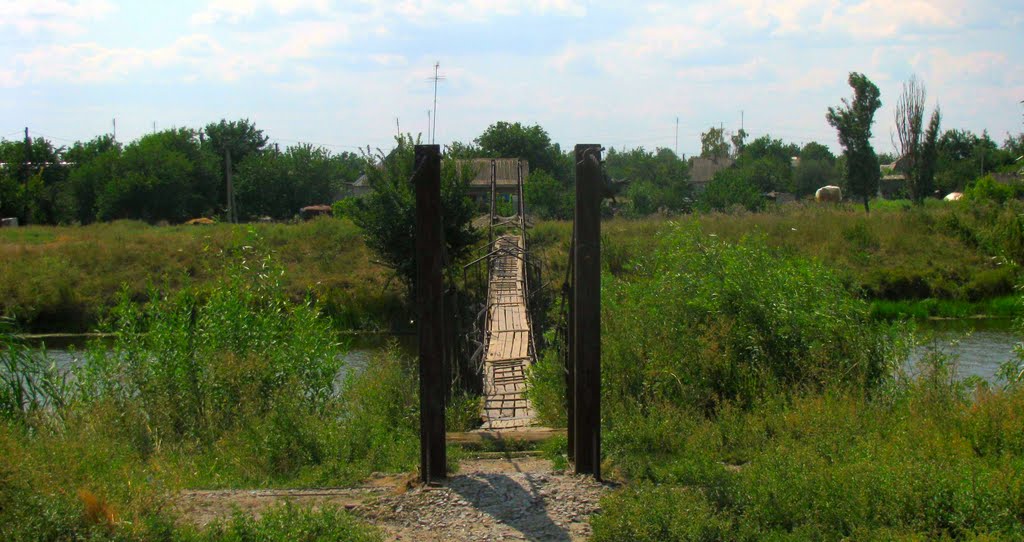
{"x":178,"y":174}
{"x":171,"y":175}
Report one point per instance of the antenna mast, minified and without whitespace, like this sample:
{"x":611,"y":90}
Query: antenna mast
{"x":436,"y":78}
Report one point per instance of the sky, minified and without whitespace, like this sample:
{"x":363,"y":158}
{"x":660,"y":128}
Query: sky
{"x":343,"y":74}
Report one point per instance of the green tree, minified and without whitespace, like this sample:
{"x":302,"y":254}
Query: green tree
{"x":263,"y":187}
{"x":768,"y":163}
{"x":728,"y":188}
{"x":278,"y":184}
{"x":387,"y":215}
{"x":739,"y":142}
{"x":515,"y":140}
{"x":95,"y":163}
{"x":163,"y":176}
{"x":929,"y":156}
{"x":853,"y":123}
{"x":656,"y":179}
{"x":817,"y":151}
{"x":547,"y":197}
{"x":713,"y":144}
{"x":240,"y":137}
{"x":962,"y":156}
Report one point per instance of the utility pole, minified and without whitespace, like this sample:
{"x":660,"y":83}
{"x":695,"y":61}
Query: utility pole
{"x":26,"y":172}
{"x":232,"y":218}
{"x":114,"y":123}
{"x":28,"y":155}
{"x":428,"y":121}
{"x":677,"y":137}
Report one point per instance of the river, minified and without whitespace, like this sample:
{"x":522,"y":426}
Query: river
{"x":66,"y":350}
{"x":978,"y":346}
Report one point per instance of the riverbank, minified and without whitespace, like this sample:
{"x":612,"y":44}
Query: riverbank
{"x":64,"y":279}
{"x":747,"y":395}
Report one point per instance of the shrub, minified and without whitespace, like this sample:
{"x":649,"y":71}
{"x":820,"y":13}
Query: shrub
{"x":988,"y":189}
{"x":708,"y":321}
{"x":198,"y":361}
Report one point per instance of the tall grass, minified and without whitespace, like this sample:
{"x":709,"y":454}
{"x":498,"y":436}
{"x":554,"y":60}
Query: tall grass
{"x":701,"y":321}
{"x":29,"y":381}
{"x":65,"y":279}
{"x":222,"y":383}
{"x":748,"y":395}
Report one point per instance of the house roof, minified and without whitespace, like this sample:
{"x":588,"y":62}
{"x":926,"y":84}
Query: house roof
{"x":506,"y":171}
{"x":703,"y":169}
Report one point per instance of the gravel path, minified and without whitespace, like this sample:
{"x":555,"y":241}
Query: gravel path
{"x":489,"y":499}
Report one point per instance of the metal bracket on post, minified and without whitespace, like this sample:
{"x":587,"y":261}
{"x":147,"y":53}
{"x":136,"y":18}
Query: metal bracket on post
{"x":430,"y":312}
{"x":585,"y":334}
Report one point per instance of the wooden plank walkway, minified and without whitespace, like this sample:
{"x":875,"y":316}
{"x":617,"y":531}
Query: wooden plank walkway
{"x":508,"y":346}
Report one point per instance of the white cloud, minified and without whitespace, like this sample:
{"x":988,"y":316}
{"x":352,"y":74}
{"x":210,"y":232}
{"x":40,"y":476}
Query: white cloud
{"x":61,"y":17}
{"x":428,"y":11}
{"x":236,"y":11}
{"x":389,"y":59}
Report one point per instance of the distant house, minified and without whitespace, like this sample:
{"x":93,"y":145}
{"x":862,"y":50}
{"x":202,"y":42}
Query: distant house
{"x":893,"y":183}
{"x":703,"y":169}
{"x":1015,"y":177}
{"x":313,"y":211}
{"x":360,"y":187}
{"x":506,"y":176}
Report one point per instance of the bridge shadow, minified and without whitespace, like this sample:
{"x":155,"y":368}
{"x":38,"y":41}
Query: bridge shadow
{"x":508,"y":500}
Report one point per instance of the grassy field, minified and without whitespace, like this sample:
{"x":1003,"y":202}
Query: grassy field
{"x":941,"y":260}
{"x":63,"y":279}
{"x":747,"y":396}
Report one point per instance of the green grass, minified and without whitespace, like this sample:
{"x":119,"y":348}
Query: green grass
{"x":923,"y":463}
{"x":218,"y":384}
{"x":1000,"y":307}
{"x":64,"y":279}
{"x":747,"y":395}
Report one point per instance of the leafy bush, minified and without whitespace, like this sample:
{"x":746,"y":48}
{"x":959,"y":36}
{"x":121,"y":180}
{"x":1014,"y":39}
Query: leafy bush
{"x":730,"y":188}
{"x":708,"y":321}
{"x":387,"y":215}
{"x":199,"y":361}
{"x":988,"y":189}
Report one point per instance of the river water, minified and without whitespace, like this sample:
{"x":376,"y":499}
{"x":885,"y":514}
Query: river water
{"x":979,"y":347}
{"x":67,"y":350}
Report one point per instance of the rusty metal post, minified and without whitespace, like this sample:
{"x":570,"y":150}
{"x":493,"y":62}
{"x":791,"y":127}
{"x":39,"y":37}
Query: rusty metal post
{"x":586,"y":313}
{"x":430,"y":311}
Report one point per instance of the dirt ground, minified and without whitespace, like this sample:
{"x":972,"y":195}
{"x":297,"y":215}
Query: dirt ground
{"x":488,"y":499}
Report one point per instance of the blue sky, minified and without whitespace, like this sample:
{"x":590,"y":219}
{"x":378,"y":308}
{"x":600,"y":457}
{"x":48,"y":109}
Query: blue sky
{"x":339,"y":73}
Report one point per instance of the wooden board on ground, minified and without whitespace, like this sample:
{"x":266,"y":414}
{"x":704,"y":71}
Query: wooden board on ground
{"x":523,"y":434}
